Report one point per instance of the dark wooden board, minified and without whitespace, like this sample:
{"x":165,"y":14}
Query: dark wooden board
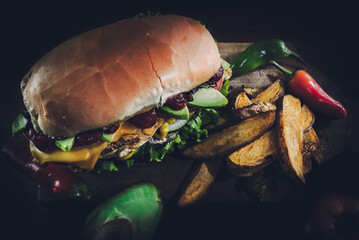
{"x":171,"y":172}
{"x":228,"y":196}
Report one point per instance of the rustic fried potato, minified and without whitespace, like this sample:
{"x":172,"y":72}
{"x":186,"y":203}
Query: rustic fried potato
{"x":198,"y":181}
{"x":232,"y":138}
{"x":252,"y":92}
{"x":254,"y":156}
{"x":271,"y":94}
{"x":308,"y":118}
{"x":242,"y":100}
{"x":312,"y":147}
{"x":290,"y":136}
{"x":307,"y":164}
{"x":254,"y":109}
{"x":247,"y":160}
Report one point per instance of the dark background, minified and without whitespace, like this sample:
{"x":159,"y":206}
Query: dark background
{"x":325,"y":33}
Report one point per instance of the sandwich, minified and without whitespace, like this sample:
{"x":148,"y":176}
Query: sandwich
{"x":136,"y":89}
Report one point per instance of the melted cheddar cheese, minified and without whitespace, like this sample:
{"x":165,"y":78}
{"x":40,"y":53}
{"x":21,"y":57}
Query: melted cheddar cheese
{"x":86,"y":157}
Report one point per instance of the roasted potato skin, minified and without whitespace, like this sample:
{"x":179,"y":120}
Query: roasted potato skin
{"x":290,"y":136}
{"x":242,"y":100}
{"x":232,"y":138}
{"x":249,"y":170}
{"x":252,"y":92}
{"x":313,"y":149}
{"x":253,"y":157}
{"x":308,"y":118}
{"x":271,"y":94}
{"x":198,"y":181}
{"x":253,"y":110}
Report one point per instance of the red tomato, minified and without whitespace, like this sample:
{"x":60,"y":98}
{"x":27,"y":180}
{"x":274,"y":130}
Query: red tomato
{"x":219,"y":84}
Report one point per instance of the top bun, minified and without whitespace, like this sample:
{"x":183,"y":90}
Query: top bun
{"x":114,"y":72}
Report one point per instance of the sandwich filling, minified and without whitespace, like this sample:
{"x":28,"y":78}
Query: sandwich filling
{"x":157,"y":127}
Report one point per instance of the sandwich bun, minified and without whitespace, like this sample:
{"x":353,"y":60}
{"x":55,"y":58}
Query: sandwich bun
{"x":114,"y":72}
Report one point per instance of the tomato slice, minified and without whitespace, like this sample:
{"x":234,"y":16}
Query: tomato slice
{"x":219,"y":84}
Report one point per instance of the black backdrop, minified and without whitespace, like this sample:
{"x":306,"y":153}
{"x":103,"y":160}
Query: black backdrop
{"x":325,"y":33}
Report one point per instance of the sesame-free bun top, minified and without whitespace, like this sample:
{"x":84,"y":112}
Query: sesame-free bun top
{"x":114,"y":72}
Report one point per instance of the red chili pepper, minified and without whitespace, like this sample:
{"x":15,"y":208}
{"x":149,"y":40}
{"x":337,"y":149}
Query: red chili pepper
{"x":311,"y":93}
{"x":57,"y":179}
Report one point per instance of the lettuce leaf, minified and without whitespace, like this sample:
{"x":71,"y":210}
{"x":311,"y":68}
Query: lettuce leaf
{"x":193,"y":132}
{"x":106,"y":165}
{"x":224,"y":88}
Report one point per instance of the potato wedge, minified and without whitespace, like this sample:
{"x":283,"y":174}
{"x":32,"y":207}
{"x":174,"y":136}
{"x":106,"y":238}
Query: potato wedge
{"x":271,"y":94}
{"x":242,"y":100}
{"x":247,"y":160}
{"x":254,"y":156}
{"x":254,"y":109}
{"x":308,"y":118}
{"x":232,"y":138}
{"x":312,"y":147}
{"x":290,"y":136}
{"x":198,"y":181}
{"x":307,"y":164}
{"x":252,"y":92}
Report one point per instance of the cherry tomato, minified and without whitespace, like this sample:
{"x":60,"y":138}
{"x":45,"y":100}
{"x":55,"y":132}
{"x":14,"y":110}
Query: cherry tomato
{"x":57,"y":179}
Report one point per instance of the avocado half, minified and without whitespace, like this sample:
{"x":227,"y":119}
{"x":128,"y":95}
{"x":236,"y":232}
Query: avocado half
{"x":132,"y":214}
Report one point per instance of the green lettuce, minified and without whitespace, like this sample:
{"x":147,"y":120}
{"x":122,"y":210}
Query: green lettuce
{"x":225,"y":87}
{"x":106,"y":165}
{"x":193,"y":132}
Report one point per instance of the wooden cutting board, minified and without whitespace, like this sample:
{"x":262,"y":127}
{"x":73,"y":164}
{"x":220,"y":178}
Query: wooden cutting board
{"x":268,"y":185}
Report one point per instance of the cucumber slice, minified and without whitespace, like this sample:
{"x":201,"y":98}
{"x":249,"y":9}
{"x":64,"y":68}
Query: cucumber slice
{"x":208,"y":98}
{"x":107,"y":137}
{"x":65,"y":144}
{"x":137,"y":208}
{"x":178,"y":124}
{"x":179,"y":114}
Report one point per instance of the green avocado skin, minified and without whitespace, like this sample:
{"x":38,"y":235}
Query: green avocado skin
{"x":139,"y":204}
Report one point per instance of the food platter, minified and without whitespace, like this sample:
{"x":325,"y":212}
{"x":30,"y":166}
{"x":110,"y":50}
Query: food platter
{"x":175,"y":171}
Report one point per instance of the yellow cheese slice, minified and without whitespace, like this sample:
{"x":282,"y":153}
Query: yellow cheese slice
{"x":83,"y":157}
{"x":87,"y":156}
